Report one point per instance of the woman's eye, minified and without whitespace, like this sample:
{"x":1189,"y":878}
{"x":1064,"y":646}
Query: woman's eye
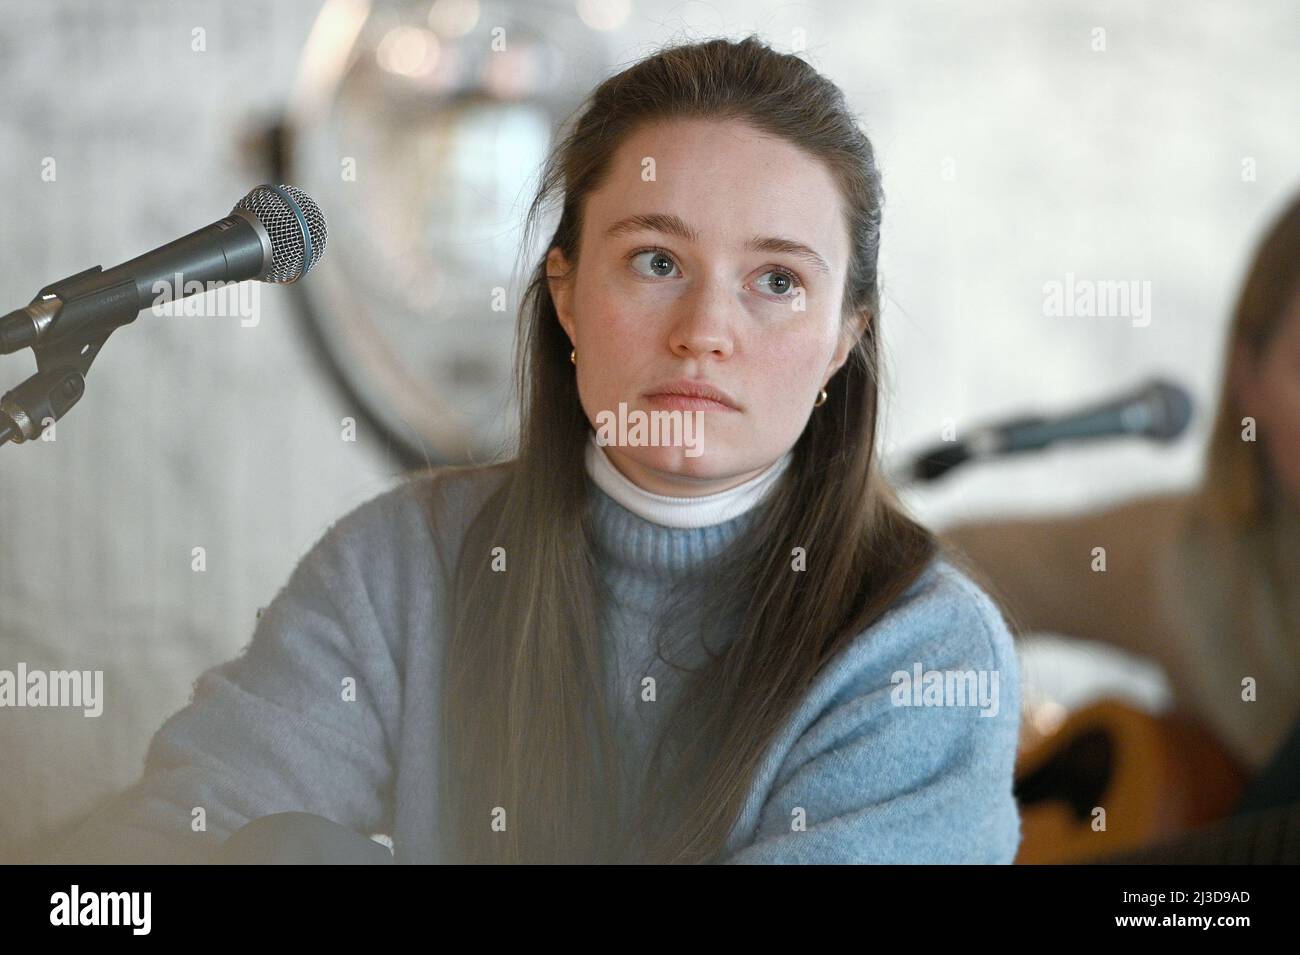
{"x":659,"y":262}
{"x":780,"y":283}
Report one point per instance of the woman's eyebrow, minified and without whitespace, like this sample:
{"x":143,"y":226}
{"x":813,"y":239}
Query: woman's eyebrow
{"x":674,"y":225}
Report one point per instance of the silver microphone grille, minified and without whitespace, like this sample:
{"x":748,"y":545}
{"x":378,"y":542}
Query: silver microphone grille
{"x":295,"y":225}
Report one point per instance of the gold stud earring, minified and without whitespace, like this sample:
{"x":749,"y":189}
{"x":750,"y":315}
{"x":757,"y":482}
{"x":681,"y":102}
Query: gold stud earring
{"x":821,"y":399}
{"x":573,"y":356}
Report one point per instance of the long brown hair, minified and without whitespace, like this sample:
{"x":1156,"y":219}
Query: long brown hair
{"x":1234,"y":492}
{"x":527,"y":736}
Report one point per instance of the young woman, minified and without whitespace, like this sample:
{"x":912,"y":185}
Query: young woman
{"x":617,"y":652}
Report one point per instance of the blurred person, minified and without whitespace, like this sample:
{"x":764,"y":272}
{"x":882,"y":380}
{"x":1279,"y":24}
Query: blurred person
{"x":614,"y":652}
{"x":1206,"y":582}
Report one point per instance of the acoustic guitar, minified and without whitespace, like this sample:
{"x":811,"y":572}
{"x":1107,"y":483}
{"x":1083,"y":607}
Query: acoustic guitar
{"x":1113,"y":779}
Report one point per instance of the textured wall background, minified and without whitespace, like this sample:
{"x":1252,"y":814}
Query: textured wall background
{"x":1013,"y":151}
{"x":195,"y":431}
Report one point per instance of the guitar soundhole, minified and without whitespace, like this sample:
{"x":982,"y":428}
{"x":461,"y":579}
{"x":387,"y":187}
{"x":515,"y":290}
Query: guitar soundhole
{"x":1077,"y":776}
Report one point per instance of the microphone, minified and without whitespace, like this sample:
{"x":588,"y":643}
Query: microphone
{"x":273,"y":234}
{"x":1158,"y":410}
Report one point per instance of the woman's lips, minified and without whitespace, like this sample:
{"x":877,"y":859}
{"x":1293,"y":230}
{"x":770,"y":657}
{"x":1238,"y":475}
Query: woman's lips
{"x":687,"y":403}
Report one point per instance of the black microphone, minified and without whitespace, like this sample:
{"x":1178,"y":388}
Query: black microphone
{"x":274,"y":234}
{"x":1159,"y":410}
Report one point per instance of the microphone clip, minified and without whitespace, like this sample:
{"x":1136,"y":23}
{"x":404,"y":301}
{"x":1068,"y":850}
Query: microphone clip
{"x":62,"y":361}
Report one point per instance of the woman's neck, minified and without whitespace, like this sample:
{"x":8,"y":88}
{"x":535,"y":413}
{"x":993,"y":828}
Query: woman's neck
{"x":673,"y":511}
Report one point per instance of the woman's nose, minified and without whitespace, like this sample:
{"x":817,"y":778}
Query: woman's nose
{"x":704,"y":321}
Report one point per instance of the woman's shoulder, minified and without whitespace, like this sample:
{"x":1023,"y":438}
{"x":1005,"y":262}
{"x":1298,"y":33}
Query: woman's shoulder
{"x":945,"y":599}
{"x":425,"y":512}
{"x":943,"y":621}
{"x":445,"y":497}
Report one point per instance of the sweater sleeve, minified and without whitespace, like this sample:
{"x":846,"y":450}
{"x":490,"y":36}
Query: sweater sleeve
{"x":304,"y":719}
{"x":880,"y":777}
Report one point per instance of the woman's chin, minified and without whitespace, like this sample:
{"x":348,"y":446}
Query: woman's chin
{"x":706,"y":464}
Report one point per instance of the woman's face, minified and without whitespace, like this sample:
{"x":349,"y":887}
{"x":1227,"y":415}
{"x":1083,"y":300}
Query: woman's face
{"x":1268,"y":390}
{"x":698,"y":288}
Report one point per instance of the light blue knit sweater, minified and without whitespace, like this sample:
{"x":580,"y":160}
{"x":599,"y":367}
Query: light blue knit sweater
{"x":869,"y":769}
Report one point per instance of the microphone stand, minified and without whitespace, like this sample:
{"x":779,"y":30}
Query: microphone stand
{"x":62,"y":362}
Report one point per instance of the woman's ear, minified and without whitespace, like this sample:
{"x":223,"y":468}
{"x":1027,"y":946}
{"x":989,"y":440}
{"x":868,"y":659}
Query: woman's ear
{"x":849,"y":336}
{"x":560,"y":283}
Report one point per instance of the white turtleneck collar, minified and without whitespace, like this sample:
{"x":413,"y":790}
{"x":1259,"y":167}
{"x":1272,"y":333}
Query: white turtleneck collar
{"x":673,"y":511}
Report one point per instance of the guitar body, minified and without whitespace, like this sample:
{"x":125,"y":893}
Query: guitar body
{"x":1113,"y":778}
